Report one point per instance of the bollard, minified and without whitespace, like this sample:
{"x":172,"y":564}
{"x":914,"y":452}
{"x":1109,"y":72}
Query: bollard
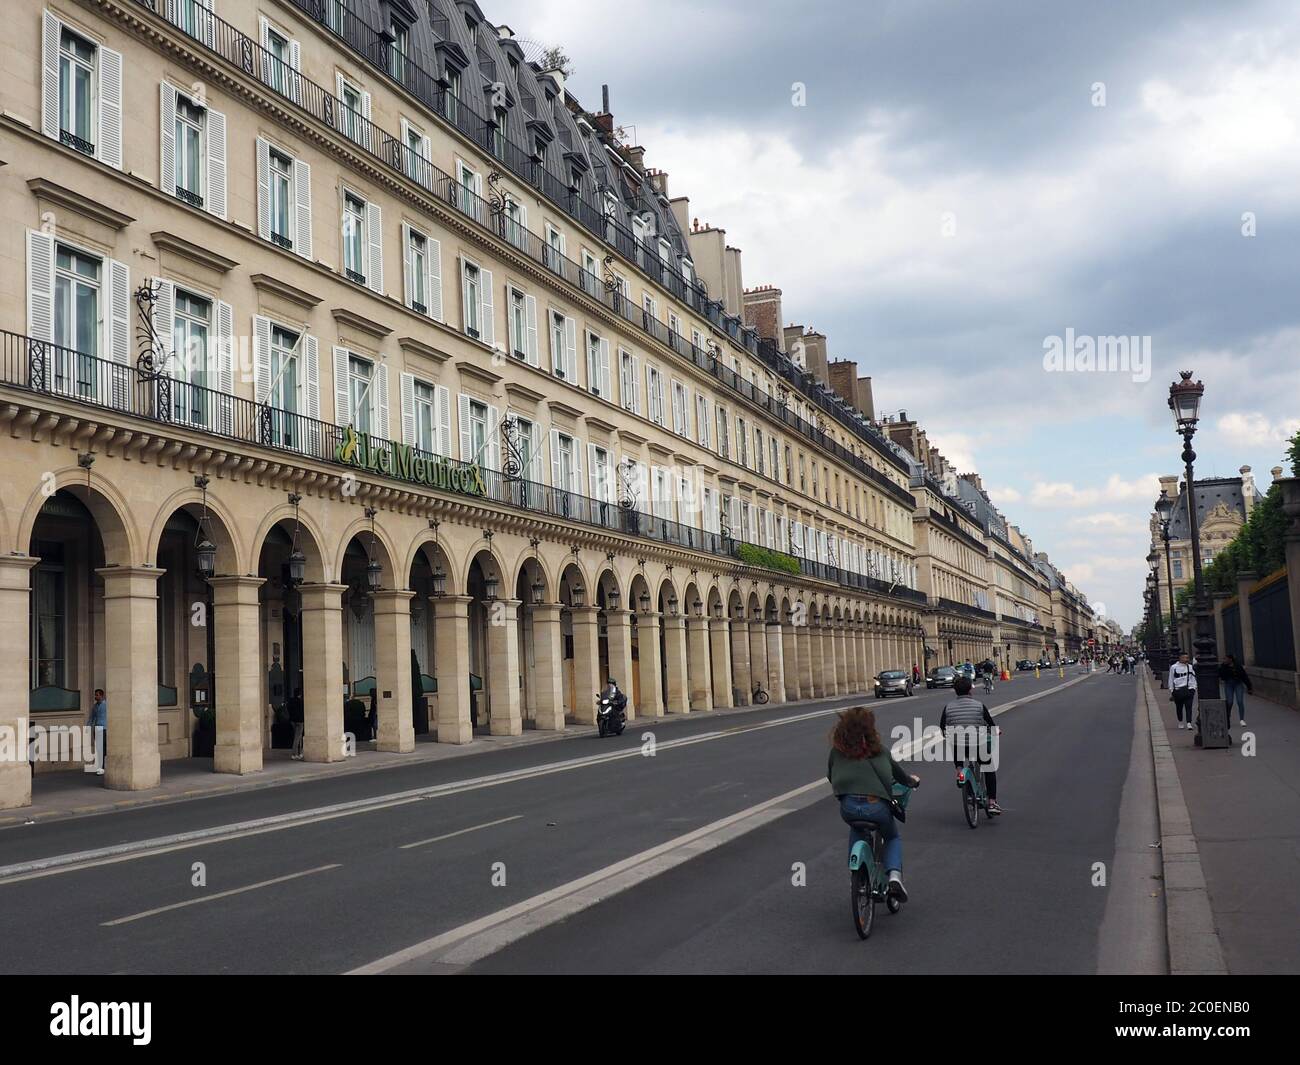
{"x":1037,"y":675}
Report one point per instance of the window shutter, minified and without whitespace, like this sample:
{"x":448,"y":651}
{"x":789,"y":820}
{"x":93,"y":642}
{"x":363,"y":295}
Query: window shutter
{"x":487,"y":325}
{"x":592,"y":474}
{"x":571,"y":350}
{"x":605,"y":390}
{"x":530,"y":319}
{"x":406,"y":265}
{"x":261,"y":357}
{"x":295,"y":63}
{"x":216,"y":134}
{"x":433,"y":261}
{"x":225,"y":366}
{"x":341,"y":110}
{"x":575,"y":483}
{"x":40,"y":292}
{"x":118,"y":318}
{"x":636,"y":385}
{"x":109,"y":147}
{"x":375,"y":234}
{"x":381,"y":401}
{"x":302,"y":208}
{"x":466,"y":441}
{"x":407,"y":389}
{"x":167,"y":148}
{"x":164,"y":320}
{"x":491,"y":458}
{"x":342,"y":394}
{"x":263,"y":189}
{"x":442,"y":400}
{"x":650,"y":392}
{"x":555,"y":459}
{"x":50,"y":34}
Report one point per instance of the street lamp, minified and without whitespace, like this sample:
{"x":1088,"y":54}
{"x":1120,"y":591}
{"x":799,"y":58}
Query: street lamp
{"x":1185,"y":402}
{"x":577,"y":595}
{"x":490,"y":585}
{"x":297,"y":560}
{"x":612,"y":599}
{"x":644,"y":600}
{"x":1164,"y":514}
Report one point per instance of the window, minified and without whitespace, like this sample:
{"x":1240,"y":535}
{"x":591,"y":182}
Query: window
{"x":742,"y":440}
{"x":554,"y":248}
{"x":598,"y":366}
{"x":516,"y":223}
{"x":758,"y":449}
{"x":417,"y":269}
{"x":627,"y":381}
{"x":397,"y":51}
{"x":469,"y":190}
{"x":77,"y":302}
{"x":189,"y":365}
{"x":478,"y":430}
{"x":564,"y":347}
{"x":499,"y":133}
{"x":591,"y":282}
{"x":681,"y":410}
{"x":724,"y":434}
{"x":473,"y":299}
{"x":702,"y":418}
{"x":360,"y":372}
{"x":1178,"y":569}
{"x":279,"y":61}
{"x":355,"y":109}
{"x":452,"y":95}
{"x":354,"y":238}
{"x":426,"y":419}
{"x":655,"y":394}
{"x":76,"y":91}
{"x":49,"y":618}
{"x":189,"y":152}
{"x":674,"y":331}
{"x":282,"y":396}
{"x":518,"y":324}
{"x":283,"y":199}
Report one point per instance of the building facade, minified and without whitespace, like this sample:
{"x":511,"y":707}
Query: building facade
{"x":345,"y":354}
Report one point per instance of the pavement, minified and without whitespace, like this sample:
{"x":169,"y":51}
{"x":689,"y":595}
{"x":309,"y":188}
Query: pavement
{"x":1243,"y":804}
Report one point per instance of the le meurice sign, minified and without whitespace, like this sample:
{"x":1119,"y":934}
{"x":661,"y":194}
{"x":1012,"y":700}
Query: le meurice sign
{"x":406,"y":464}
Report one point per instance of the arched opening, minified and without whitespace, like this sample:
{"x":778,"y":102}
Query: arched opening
{"x":490,"y":684}
{"x":638,"y":602}
{"x":531,"y":593}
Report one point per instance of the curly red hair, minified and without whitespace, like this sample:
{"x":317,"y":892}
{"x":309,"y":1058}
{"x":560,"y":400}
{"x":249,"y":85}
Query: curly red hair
{"x":855,"y":735}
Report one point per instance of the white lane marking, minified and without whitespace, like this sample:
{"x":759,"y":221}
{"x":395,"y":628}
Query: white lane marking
{"x":122,"y":852}
{"x":216,"y":895}
{"x":458,"y":832}
{"x":486,"y":935}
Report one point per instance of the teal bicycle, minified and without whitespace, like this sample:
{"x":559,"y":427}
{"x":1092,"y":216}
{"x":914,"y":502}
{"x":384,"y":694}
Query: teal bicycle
{"x":868,"y":879}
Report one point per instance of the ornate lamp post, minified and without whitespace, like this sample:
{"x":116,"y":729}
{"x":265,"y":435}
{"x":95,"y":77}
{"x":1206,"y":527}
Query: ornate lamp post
{"x":1165,"y":513}
{"x":1185,"y":402}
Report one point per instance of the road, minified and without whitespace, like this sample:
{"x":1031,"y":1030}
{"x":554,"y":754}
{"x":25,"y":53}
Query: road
{"x":391,"y":870}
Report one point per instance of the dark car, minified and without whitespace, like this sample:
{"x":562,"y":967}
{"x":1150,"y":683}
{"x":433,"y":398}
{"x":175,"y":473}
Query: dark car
{"x":1025,"y":666}
{"x":893,"y":682}
{"x":942,"y":677}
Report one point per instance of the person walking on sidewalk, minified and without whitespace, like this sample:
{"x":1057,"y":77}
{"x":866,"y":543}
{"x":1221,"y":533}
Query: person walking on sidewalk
{"x":295,"y":709}
{"x":1182,"y":689}
{"x":1236,"y":683}
{"x":98,"y":722}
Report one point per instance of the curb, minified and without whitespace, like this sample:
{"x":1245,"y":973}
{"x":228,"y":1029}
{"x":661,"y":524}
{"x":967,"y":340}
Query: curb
{"x":1192,"y":939}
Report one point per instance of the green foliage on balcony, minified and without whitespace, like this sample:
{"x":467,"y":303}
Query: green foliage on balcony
{"x":761,"y":556}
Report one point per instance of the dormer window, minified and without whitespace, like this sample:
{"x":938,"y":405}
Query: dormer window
{"x":398,"y":50}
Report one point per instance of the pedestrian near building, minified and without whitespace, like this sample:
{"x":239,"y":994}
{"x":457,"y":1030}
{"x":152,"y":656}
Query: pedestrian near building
{"x":98,"y":722}
{"x":295,"y":708}
{"x":1236,"y":683}
{"x":1182,"y":689}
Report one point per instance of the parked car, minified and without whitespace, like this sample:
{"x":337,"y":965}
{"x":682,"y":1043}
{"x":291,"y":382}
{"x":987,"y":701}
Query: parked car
{"x":893,"y":682}
{"x":1025,"y":666}
{"x":941,"y":677}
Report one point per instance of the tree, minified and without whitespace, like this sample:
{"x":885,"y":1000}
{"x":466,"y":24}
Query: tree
{"x":1293,"y":453}
{"x":554,"y":58}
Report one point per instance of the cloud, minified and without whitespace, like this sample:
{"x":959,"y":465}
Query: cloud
{"x":1116,"y":489}
{"x":1255,"y":429}
{"x":1004,"y":496}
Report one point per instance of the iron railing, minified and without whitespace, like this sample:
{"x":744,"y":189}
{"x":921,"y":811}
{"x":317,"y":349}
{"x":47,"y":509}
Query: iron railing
{"x":43,"y":368}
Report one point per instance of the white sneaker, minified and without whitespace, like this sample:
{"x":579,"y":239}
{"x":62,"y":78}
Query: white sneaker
{"x":1243,"y":723}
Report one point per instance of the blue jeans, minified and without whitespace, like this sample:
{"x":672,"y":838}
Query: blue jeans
{"x":1234,"y":691}
{"x":856,"y":808}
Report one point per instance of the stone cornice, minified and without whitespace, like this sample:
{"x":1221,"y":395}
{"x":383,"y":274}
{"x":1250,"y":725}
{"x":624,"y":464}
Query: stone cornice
{"x":71,"y":200}
{"x":354,"y":320}
{"x":480,"y":373}
{"x":413,"y":346}
{"x":186,"y":249}
{"x":275,"y":287}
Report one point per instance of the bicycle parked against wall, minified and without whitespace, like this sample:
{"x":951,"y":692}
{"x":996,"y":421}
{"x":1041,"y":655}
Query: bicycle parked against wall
{"x":759,"y":696}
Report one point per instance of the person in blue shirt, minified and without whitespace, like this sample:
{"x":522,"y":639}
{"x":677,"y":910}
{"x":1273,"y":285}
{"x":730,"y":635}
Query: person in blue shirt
{"x":99,"y":721}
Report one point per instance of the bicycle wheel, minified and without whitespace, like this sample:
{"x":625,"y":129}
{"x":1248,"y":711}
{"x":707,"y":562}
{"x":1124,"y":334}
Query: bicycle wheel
{"x":864,"y":903}
{"x":760,"y":697}
{"x":971,"y":804}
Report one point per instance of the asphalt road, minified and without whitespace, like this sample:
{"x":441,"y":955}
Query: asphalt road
{"x":345,"y":886}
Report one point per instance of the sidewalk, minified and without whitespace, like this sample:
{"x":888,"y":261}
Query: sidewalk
{"x":56,"y":796}
{"x":1245,"y":817}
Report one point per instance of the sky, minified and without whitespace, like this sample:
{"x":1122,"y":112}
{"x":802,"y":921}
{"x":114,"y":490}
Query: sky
{"x":942,"y":188}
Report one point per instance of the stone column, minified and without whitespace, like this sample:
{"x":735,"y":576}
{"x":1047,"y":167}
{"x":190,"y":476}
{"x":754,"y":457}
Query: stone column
{"x":790,"y":661}
{"x":775,"y":662}
{"x":1245,"y":582}
{"x":587,"y":680}
{"x":506,"y":715}
{"x":548,"y":644}
{"x":618,"y":629}
{"x":860,"y":656}
{"x":697,"y":663}
{"x":803,"y":639}
{"x":15,"y":678}
{"x":131,"y":675}
{"x":647,"y":641}
{"x":757,"y":655}
{"x":237,"y":669}
{"x":393,"y":670}
{"x":817,"y":660}
{"x":322,"y":672}
{"x":842,"y":662}
{"x":720,"y":653}
{"x":741,"y":676}
{"x":677,"y":699}
{"x":451,"y":655}
{"x":831,"y":660}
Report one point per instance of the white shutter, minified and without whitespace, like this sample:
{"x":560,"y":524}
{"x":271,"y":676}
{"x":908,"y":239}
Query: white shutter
{"x":656,"y":503}
{"x":261,"y":357}
{"x":604,"y":369}
{"x":118,"y":314}
{"x":649,"y":392}
{"x":381,"y":401}
{"x":433,"y":259}
{"x":733,"y":519}
{"x":490,"y":457}
{"x":575,"y":483}
{"x":225,"y":366}
{"x":375,"y":233}
{"x":466,"y":441}
{"x":109,"y":147}
{"x":341,"y":110}
{"x":295,"y":62}
{"x":571,"y":350}
{"x":442,"y":399}
{"x":487,"y":325}
{"x":167,"y":147}
{"x":407,"y":390}
{"x":302,"y":208}
{"x":592,"y":474}
{"x":40,"y":292}
{"x":216,"y":134}
{"x":530,"y":341}
{"x":51,"y":31}
{"x":636,"y":384}
{"x":164,"y":321}
{"x":555,"y":459}
{"x":311,"y":389}
{"x":342,"y":394}
{"x":406,"y":266}
{"x":263,"y":189}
